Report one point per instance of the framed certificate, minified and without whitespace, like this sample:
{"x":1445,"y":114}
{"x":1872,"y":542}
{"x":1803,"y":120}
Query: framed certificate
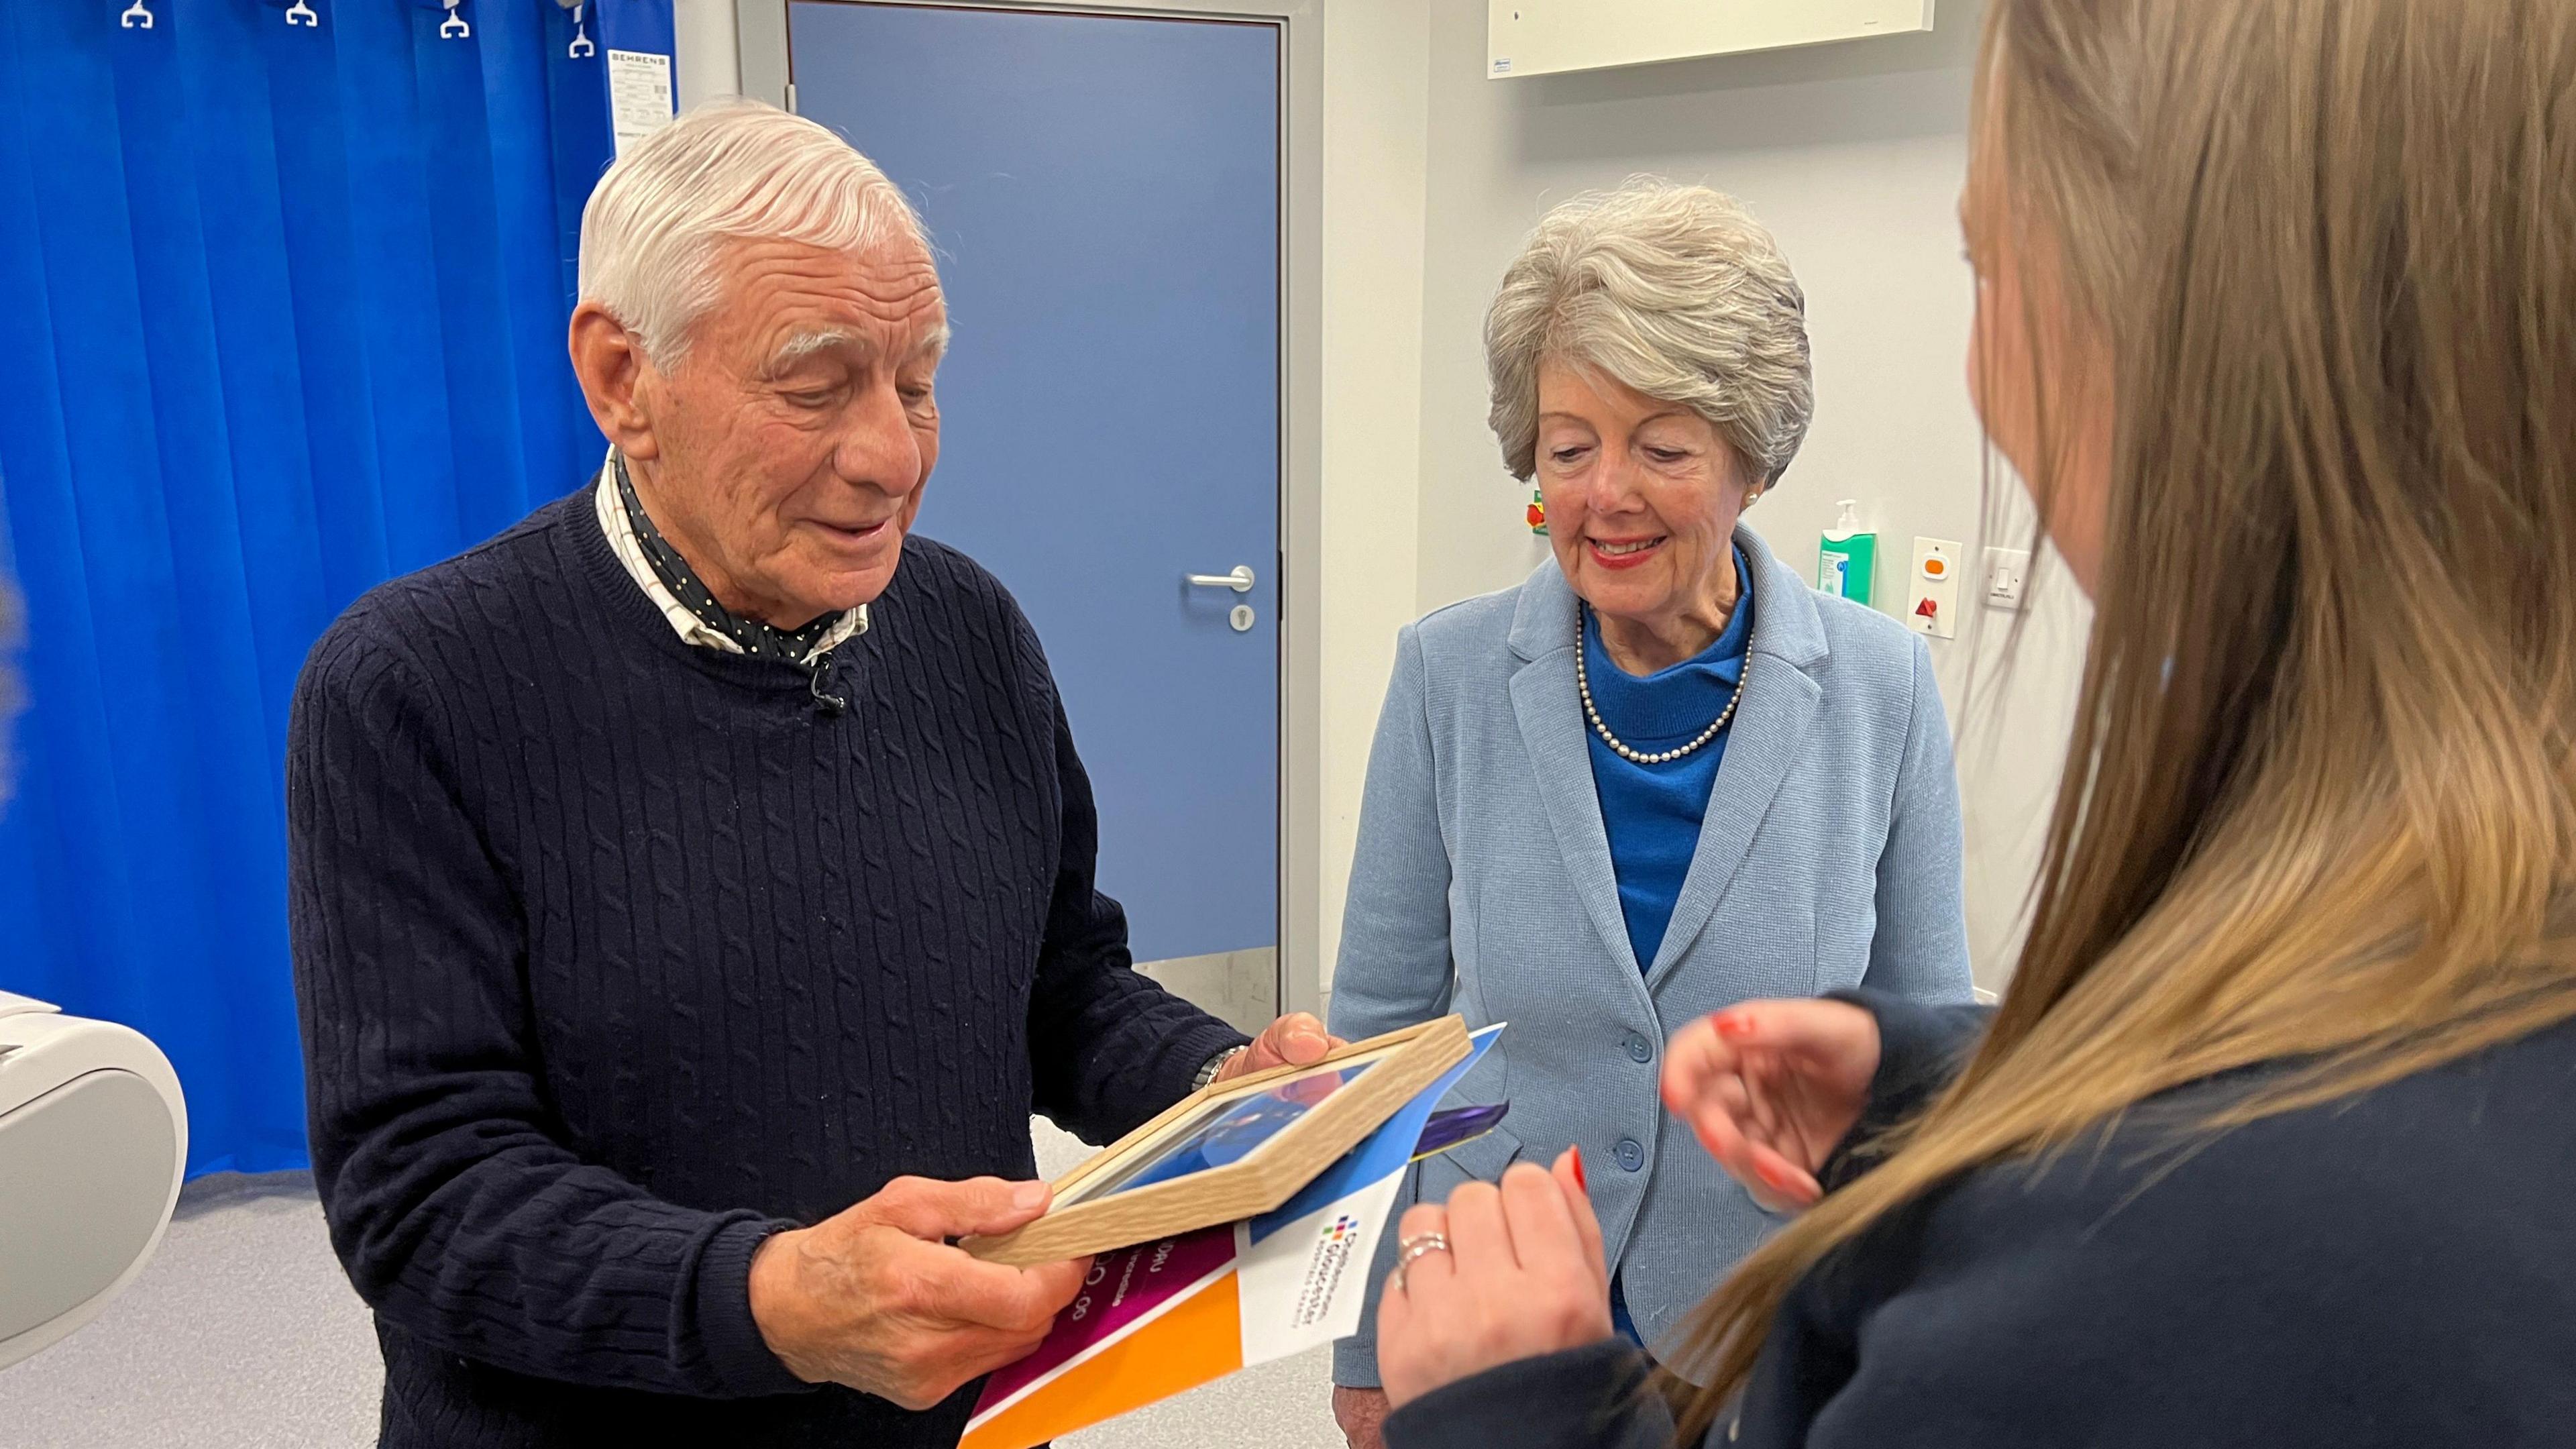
{"x":1232,"y":1150}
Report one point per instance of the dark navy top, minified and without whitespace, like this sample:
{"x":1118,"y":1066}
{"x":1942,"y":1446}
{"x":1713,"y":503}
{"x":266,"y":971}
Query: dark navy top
{"x":2395,"y":1269}
{"x":617,"y":955}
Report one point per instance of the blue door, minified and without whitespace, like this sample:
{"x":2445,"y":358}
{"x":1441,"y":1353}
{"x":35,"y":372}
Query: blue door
{"x":1103,"y":192}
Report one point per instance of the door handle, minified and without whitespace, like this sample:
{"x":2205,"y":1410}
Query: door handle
{"x":1240,"y":580}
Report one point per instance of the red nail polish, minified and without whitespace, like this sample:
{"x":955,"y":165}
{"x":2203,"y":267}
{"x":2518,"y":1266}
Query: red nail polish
{"x":1731,"y":1025}
{"x":1579,"y":1180}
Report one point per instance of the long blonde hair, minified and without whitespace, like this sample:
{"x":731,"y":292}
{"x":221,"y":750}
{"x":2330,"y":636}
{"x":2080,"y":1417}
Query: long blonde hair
{"x":2320,"y":806}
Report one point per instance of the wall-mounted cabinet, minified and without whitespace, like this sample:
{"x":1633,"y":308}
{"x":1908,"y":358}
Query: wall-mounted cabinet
{"x":1542,"y":37}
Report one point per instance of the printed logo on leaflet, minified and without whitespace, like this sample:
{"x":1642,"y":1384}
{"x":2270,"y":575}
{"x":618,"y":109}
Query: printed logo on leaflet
{"x":1334,"y":1247}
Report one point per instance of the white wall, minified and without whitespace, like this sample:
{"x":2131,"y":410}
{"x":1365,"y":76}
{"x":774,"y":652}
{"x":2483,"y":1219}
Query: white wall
{"x":1853,"y":156}
{"x":704,"y":59}
{"x":1377,"y":73}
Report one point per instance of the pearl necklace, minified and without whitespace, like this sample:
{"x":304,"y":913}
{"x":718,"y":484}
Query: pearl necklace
{"x":1583,"y":686}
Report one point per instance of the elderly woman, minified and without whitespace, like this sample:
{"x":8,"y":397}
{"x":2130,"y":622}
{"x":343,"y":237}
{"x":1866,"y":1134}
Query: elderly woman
{"x":1658,"y":777}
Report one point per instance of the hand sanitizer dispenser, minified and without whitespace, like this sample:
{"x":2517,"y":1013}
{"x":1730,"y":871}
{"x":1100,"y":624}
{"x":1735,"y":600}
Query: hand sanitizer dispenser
{"x":1847,"y":557}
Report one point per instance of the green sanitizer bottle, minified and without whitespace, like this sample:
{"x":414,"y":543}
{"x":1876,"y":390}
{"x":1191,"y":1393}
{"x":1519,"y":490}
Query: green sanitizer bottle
{"x":1848,"y":556}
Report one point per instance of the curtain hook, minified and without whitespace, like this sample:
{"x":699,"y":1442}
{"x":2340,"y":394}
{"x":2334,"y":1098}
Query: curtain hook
{"x":137,"y":16}
{"x":452,"y":28}
{"x":300,"y":13}
{"x":581,"y":45}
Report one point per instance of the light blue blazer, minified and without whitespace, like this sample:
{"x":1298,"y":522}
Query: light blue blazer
{"x":1829,"y":857}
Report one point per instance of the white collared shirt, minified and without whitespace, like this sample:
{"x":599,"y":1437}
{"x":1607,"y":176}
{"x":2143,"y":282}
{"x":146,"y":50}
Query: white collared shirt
{"x":691,"y":629}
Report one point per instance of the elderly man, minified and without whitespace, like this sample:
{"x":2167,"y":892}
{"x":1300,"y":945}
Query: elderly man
{"x":694,"y":881}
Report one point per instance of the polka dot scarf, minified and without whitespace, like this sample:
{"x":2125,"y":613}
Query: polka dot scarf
{"x":759,"y":640}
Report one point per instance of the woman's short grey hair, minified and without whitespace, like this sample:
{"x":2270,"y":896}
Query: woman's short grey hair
{"x":1675,"y":291}
{"x":730,"y":168}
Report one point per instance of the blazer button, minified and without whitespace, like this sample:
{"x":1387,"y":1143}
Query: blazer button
{"x":1640,"y":1049}
{"x":1632,"y":1154}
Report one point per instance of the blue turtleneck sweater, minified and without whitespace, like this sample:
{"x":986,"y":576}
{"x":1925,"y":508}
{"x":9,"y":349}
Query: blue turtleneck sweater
{"x":1652,"y":812}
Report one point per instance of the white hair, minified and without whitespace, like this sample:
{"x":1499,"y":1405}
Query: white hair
{"x":1673,"y":290}
{"x":727,"y":169}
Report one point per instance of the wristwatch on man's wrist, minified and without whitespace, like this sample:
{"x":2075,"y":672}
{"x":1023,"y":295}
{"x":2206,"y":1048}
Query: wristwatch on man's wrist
{"x":1215,"y":1064}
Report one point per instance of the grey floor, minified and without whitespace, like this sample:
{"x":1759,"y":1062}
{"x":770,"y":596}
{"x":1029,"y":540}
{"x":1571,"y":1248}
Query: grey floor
{"x":242,"y":1334}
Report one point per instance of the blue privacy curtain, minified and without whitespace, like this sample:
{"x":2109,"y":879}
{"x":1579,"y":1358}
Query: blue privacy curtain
{"x":281,"y":314}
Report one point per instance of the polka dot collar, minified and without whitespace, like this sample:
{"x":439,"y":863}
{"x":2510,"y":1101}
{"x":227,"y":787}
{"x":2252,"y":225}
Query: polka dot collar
{"x":752,"y":636}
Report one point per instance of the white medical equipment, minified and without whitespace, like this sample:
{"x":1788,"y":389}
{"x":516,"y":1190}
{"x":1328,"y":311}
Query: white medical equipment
{"x":93,"y":1142}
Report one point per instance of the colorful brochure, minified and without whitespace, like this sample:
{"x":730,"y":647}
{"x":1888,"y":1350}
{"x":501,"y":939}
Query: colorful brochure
{"x":1162,"y":1317}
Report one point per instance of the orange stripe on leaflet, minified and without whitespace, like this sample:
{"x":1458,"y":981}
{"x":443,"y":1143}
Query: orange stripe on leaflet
{"x":1195,"y":1343}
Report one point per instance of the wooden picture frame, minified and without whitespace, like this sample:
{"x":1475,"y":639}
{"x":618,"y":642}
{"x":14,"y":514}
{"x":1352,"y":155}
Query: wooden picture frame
{"x":1093,"y":1212}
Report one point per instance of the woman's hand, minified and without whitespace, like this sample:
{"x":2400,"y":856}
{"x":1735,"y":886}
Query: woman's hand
{"x":1770,"y":1088}
{"x":1499,"y":1275}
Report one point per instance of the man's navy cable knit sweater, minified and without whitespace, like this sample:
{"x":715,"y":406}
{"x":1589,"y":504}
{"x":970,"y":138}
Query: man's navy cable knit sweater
{"x":617,"y":955}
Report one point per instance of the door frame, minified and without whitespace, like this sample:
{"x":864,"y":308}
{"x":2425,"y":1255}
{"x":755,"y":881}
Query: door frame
{"x":761,"y":32}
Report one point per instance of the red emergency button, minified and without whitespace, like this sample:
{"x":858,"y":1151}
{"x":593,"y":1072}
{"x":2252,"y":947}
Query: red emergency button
{"x":1927,"y":608}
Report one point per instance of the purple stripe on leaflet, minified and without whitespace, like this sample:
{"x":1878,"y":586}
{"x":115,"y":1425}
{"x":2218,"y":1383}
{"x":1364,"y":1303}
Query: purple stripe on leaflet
{"x":1122,"y":1287}
{"x":1455,"y":1126}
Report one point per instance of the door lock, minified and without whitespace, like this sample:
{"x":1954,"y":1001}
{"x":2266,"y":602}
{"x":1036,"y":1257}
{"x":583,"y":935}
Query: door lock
{"x":1239,"y":579}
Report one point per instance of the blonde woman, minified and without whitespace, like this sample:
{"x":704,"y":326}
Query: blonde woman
{"x":2270,"y":1143}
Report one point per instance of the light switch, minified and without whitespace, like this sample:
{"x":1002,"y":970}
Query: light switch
{"x":1932,"y":589}
{"x":2007,"y":577}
